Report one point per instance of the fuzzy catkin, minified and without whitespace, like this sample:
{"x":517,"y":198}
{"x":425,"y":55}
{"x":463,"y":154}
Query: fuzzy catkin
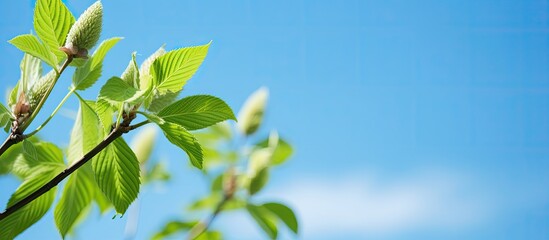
{"x":86,"y":31}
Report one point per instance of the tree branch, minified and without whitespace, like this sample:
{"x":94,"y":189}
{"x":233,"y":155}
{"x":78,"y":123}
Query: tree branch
{"x":65,"y":173}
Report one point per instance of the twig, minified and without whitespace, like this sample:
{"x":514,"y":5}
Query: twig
{"x":201,"y":227}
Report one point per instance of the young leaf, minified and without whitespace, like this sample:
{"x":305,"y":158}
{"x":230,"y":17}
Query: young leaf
{"x":172,"y":70}
{"x":12,"y":99}
{"x":180,"y":137}
{"x":52,"y":22}
{"x":160,"y":100}
{"x":31,"y":72}
{"x":116,"y":91}
{"x":29,"y":44}
{"x":259,"y":181}
{"x":86,"y":75}
{"x":5,"y":116}
{"x":284,"y":213}
{"x":131,"y":74}
{"x":197,"y":112}
{"x":105,"y":112}
{"x":251,"y":113}
{"x":77,"y":196}
{"x":281,"y":152}
{"x":264,"y":219}
{"x":173,"y":227}
{"x":86,"y":133}
{"x":23,"y":218}
{"x":145,"y":80}
{"x":117,"y":173}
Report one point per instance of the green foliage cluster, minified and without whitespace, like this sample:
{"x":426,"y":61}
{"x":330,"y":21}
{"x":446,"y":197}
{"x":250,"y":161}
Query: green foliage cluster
{"x":113,"y":177}
{"x":238,"y":168}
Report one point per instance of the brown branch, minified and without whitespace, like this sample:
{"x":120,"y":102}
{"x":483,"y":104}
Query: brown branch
{"x":117,"y":132}
{"x":10,"y":141}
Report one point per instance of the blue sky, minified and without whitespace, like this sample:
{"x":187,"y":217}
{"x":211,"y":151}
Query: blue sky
{"x":418,"y":119}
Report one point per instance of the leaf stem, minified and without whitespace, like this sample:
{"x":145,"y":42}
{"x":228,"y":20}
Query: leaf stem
{"x":52,"y":114}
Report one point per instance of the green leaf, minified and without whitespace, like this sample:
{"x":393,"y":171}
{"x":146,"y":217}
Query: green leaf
{"x":42,"y":155}
{"x":117,"y":173}
{"x":208,"y":202}
{"x":217,"y":183}
{"x":284,"y":213}
{"x":259,"y":181}
{"x":172,"y":228}
{"x":31,"y":72}
{"x":197,"y":112}
{"x":131,"y":74}
{"x":160,"y":100}
{"x":180,"y":137}
{"x":281,"y":152}
{"x":10,"y":156}
{"x":105,"y":112}
{"x":29,"y":44}
{"x":145,"y":78}
{"x":101,"y":200}
{"x":5,"y":117}
{"x":158,"y":172}
{"x":153,"y":118}
{"x":52,"y":21}
{"x":12,"y":99}
{"x":172,"y":70}
{"x":86,"y":133}
{"x":77,"y":196}
{"x":86,"y":75}
{"x":210,"y":235}
{"x":26,"y":216}
{"x":264,"y":219}
{"x":116,"y":91}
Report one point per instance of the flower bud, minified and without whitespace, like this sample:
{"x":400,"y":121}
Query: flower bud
{"x":40,"y":88}
{"x":251,"y":114}
{"x":85,"y":32}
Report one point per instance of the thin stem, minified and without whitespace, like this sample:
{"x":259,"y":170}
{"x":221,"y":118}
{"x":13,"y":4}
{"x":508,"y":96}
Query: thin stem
{"x":201,"y":227}
{"x":43,"y":100}
{"x":132,"y":127}
{"x":52,"y":114}
{"x":65,"y":173}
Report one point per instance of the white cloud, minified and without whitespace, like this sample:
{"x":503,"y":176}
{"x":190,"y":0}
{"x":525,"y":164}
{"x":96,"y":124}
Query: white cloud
{"x":367,"y":206}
